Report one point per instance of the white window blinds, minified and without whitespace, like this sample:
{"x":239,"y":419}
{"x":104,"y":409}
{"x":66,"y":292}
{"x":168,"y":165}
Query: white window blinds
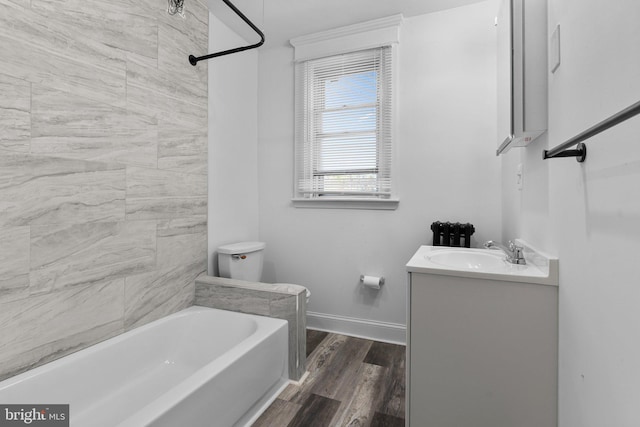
{"x":343,"y":125}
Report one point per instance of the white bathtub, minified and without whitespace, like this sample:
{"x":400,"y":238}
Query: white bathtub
{"x":197,"y":367}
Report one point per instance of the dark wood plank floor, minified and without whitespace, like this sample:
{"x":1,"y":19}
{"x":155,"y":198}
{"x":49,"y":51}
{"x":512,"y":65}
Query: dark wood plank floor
{"x":351,"y":382}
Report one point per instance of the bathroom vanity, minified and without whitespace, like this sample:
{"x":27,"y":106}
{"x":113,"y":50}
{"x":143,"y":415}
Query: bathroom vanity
{"x":482,"y":339}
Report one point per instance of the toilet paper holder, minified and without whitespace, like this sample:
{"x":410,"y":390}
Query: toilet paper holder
{"x":371,"y":281}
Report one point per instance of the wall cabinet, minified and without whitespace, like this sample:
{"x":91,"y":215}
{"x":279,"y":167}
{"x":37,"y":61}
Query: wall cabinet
{"x":521,"y":27}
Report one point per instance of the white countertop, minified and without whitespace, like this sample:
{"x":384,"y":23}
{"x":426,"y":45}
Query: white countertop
{"x":539,"y":269}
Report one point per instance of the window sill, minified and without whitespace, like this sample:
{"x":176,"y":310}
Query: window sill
{"x":341,"y":203}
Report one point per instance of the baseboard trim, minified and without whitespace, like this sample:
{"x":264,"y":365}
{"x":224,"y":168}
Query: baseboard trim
{"x":394,"y":333}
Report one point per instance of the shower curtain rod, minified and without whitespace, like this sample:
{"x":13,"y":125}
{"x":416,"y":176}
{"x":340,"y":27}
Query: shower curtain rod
{"x":194,"y":60}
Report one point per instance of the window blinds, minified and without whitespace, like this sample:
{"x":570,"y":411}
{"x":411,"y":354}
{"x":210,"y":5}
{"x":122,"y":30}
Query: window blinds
{"x":343,"y":125}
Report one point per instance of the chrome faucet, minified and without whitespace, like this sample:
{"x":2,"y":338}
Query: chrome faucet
{"x":513,"y":251}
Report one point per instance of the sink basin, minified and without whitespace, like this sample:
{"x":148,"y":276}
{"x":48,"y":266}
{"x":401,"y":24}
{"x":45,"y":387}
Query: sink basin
{"x":472,"y":260}
{"x":485,"y":264}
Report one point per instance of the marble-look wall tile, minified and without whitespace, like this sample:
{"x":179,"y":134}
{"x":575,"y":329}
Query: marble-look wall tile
{"x":145,"y":182}
{"x":174,"y":49}
{"x":37,"y":65}
{"x":281,"y":301}
{"x":182,"y":150}
{"x":181,"y":226}
{"x":71,"y":126}
{"x":233,"y":298}
{"x":179,"y":38}
{"x":195,"y":25}
{"x":95,"y":93}
{"x":45,"y":190}
{"x":44,"y":327}
{"x":171,"y":286}
{"x":14,"y":260}
{"x":57,"y":36}
{"x":145,"y":62}
{"x":15,"y":117}
{"x":69,"y":255}
{"x":23,"y":3}
{"x":181,"y":143}
{"x":171,"y":111}
{"x":284,"y":307}
{"x":165,"y":207}
{"x":119,"y":25}
{"x":159,"y":194}
{"x":172,"y":85}
{"x":292,"y":308}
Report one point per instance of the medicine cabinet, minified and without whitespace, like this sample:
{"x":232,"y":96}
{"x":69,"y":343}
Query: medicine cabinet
{"x":522,"y":72}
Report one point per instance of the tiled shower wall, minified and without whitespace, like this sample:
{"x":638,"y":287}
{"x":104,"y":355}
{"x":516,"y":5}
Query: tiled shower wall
{"x":103,"y":163}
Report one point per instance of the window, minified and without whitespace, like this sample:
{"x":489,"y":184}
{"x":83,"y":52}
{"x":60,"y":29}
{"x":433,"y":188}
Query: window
{"x":344,"y":126}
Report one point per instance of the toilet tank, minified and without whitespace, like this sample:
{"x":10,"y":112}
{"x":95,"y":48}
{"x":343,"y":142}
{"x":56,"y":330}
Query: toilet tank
{"x":242,"y":261}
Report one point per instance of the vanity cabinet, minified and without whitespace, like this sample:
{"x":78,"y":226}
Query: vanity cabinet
{"x":521,"y":27}
{"x":481,"y":351}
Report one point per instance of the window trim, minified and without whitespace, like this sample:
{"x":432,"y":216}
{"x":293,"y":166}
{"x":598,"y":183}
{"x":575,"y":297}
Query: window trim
{"x":365,"y":35}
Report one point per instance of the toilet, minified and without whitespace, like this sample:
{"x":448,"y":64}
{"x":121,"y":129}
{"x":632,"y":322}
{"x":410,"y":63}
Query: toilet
{"x":243,"y":261}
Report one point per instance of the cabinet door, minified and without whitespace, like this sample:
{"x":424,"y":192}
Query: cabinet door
{"x":483,"y":353}
{"x":504,"y":73}
{"x":521,"y":72}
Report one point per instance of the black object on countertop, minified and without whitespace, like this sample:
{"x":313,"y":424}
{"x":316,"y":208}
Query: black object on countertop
{"x":452,"y":234}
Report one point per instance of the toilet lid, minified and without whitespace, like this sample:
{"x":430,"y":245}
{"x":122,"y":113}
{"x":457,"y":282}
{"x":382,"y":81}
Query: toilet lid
{"x":241,"y":248}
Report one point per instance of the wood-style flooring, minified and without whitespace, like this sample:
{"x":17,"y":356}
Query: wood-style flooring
{"x":351,"y":382}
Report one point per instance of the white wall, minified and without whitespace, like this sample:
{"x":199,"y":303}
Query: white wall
{"x":526,"y":211}
{"x":233,"y":136}
{"x":446,"y":169}
{"x":589,"y":213}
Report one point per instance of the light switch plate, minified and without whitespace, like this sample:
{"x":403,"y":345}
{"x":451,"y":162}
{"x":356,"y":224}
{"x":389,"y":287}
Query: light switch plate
{"x":554,"y":49}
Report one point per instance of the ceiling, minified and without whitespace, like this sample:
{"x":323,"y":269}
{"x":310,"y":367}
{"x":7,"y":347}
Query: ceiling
{"x":281,"y":20}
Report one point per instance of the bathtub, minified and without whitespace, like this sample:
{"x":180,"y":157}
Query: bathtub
{"x":197,"y":367}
